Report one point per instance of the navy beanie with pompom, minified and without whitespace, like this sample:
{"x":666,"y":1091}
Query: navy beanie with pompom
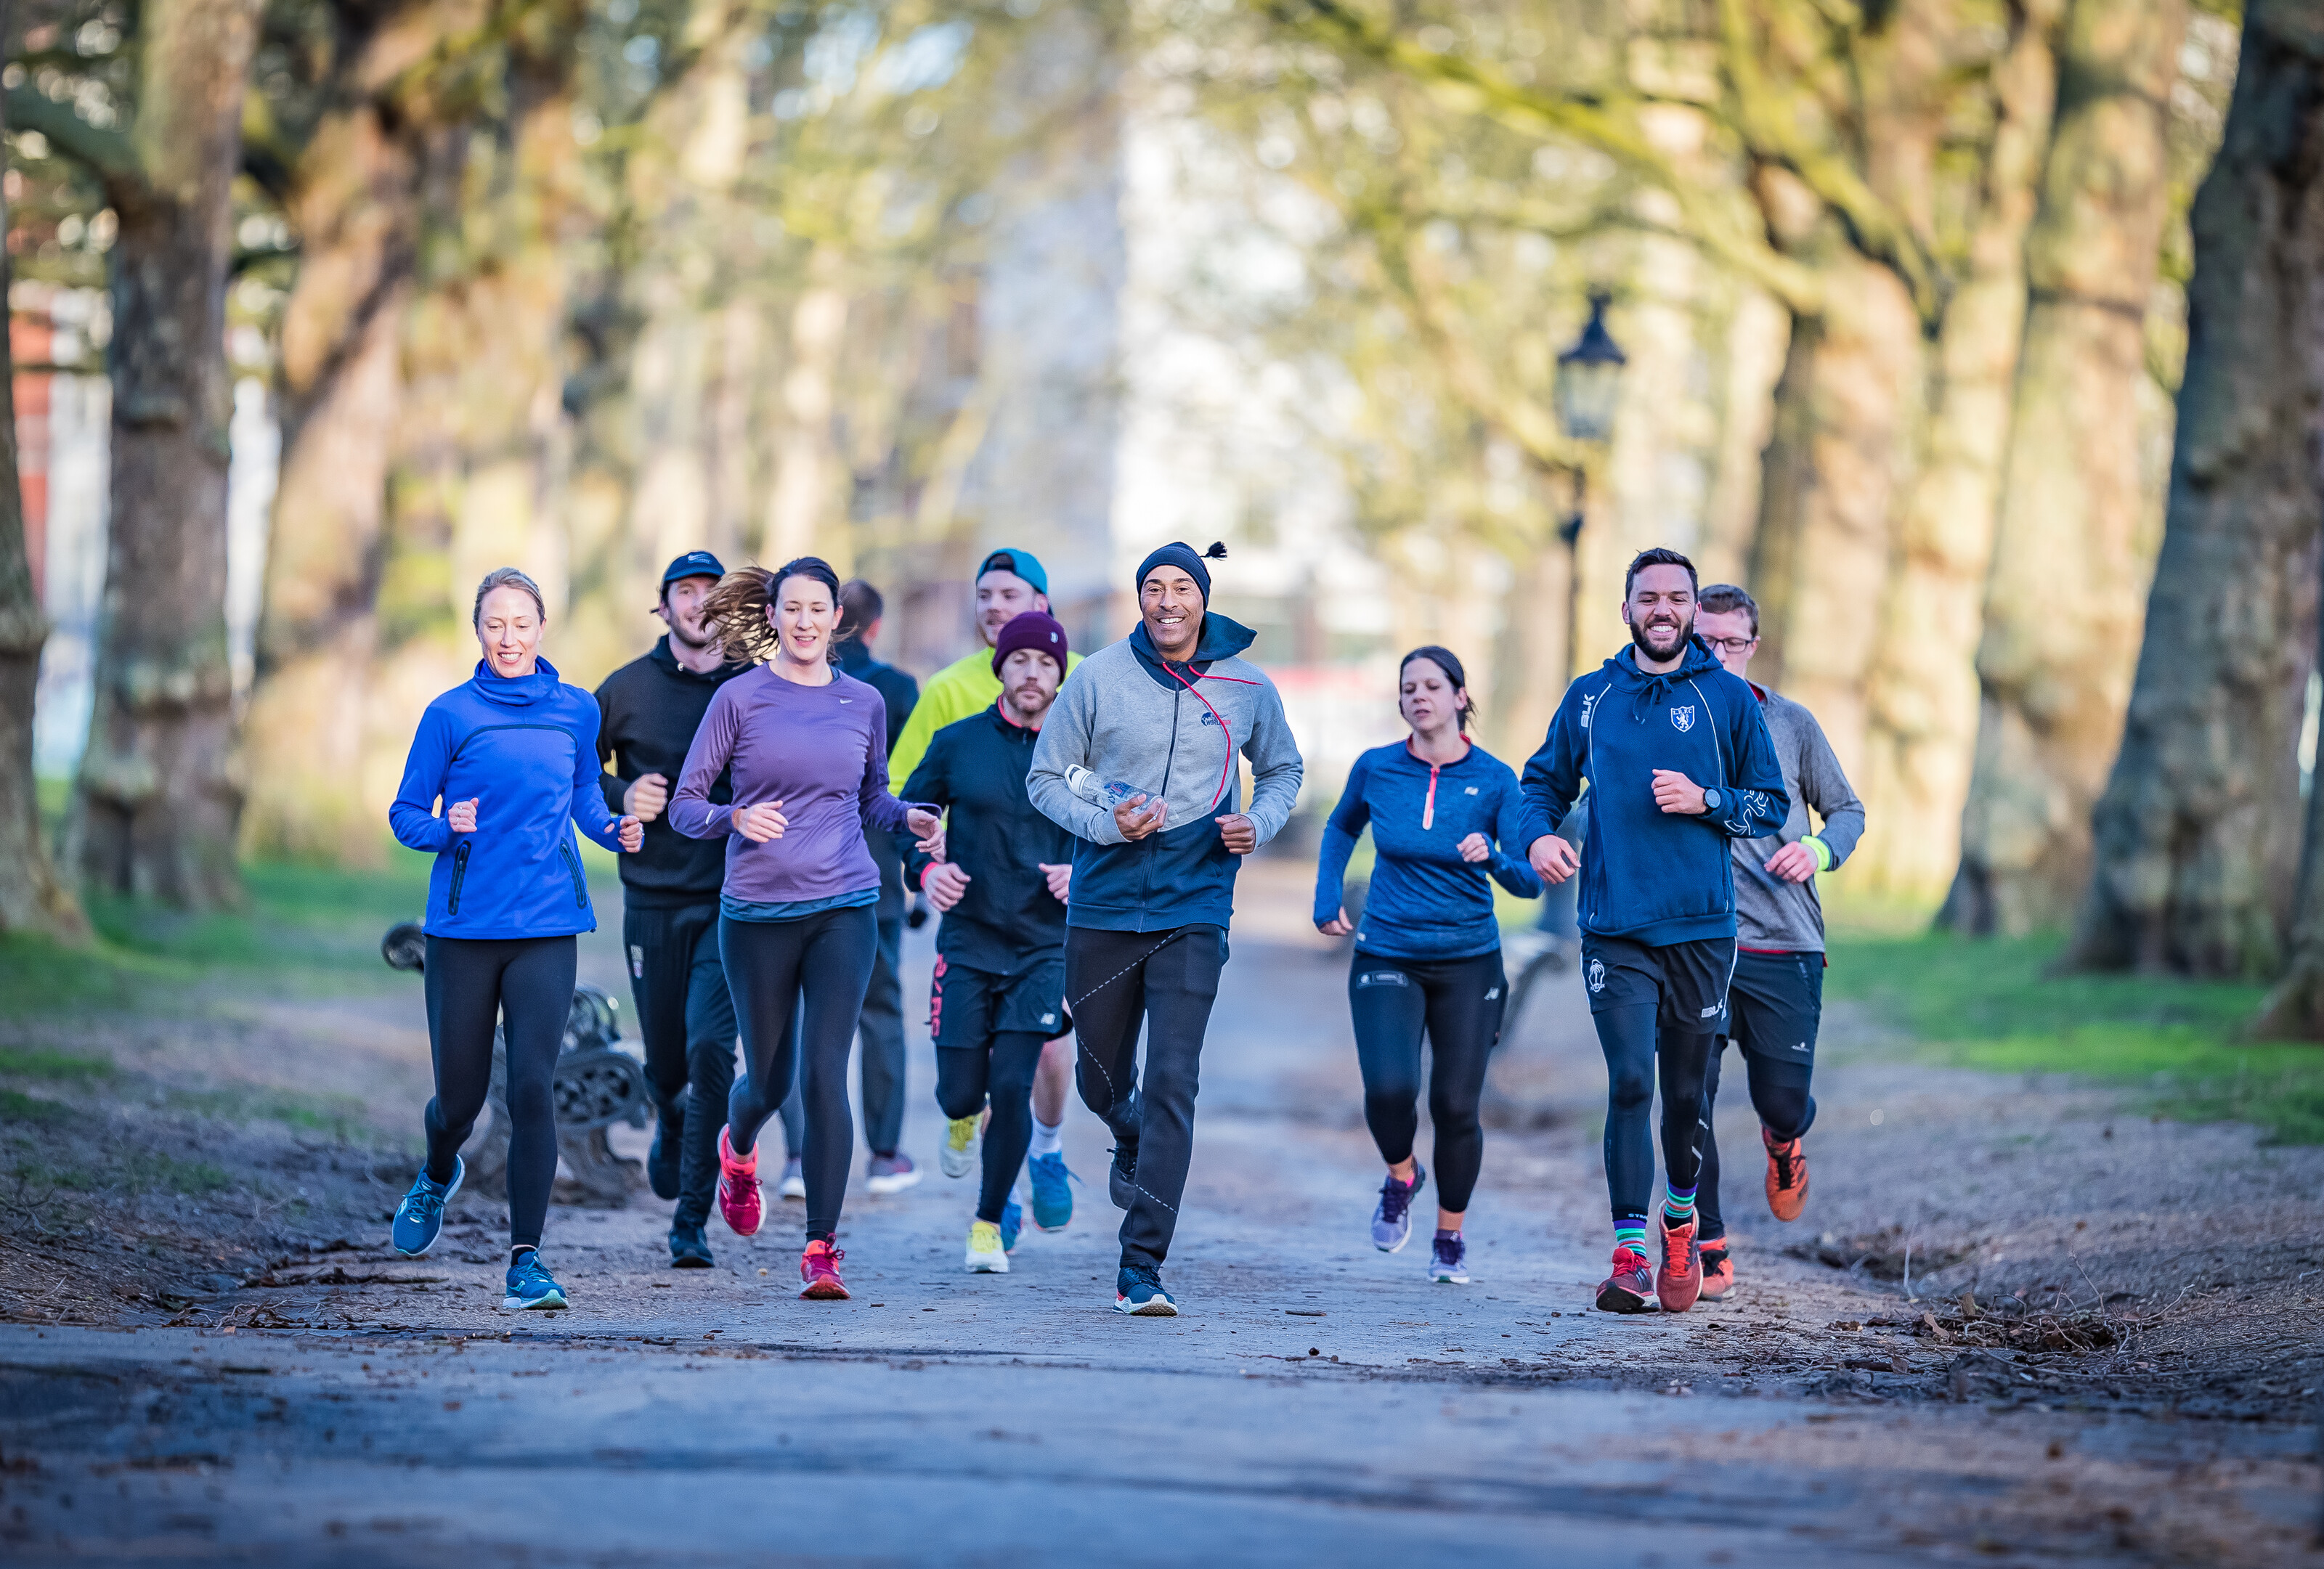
{"x":1181,"y":555}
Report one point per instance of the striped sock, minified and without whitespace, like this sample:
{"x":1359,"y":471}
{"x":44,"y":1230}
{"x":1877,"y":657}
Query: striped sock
{"x":1630,"y":1232}
{"x":1678,"y":1206}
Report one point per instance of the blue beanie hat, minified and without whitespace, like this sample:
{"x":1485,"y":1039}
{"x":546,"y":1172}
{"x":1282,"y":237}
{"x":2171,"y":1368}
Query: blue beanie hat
{"x":1022,"y":563}
{"x":1181,"y":555}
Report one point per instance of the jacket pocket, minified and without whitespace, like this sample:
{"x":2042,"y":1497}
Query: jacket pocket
{"x":459,"y":875}
{"x":573,"y":870}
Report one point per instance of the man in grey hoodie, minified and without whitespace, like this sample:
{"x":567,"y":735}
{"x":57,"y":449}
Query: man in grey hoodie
{"x":1138,"y":758}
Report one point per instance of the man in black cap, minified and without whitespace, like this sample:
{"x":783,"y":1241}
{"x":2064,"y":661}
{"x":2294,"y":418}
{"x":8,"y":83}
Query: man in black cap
{"x":650,"y":708}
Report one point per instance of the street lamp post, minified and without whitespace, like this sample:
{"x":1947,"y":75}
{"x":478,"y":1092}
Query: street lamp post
{"x":1589,"y":383}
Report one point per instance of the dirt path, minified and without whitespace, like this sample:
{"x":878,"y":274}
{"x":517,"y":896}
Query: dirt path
{"x":1318,"y":1401}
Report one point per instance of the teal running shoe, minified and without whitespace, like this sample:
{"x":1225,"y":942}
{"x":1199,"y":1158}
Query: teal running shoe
{"x":1012,"y":1225}
{"x":1138,"y":1289}
{"x":419,"y":1219}
{"x":1053,"y":1193}
{"x":530,"y":1285}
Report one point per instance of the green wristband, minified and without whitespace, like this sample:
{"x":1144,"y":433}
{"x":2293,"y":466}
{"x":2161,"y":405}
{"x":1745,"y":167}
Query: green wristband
{"x":1820,"y":850}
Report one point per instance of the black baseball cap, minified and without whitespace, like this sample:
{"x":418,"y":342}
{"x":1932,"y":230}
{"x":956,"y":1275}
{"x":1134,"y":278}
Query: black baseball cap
{"x":693,"y":564}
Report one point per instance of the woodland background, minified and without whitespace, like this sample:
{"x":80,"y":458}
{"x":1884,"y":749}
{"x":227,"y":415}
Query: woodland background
{"x":1982,"y":341}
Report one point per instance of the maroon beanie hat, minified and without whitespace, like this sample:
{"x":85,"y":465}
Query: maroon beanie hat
{"x":1031,"y":631}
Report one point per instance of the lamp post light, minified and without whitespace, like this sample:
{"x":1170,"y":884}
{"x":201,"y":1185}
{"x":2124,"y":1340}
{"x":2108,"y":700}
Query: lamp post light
{"x":1589,"y":383}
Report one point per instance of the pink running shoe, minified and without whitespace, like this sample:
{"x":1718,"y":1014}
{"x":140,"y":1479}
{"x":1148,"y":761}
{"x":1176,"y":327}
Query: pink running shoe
{"x":738,"y":1189}
{"x":819,"y":1268}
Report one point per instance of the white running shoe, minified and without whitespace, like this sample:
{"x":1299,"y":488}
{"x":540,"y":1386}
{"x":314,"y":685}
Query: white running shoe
{"x":964,"y":1146}
{"x":794,"y":1183}
{"x":985,"y":1254}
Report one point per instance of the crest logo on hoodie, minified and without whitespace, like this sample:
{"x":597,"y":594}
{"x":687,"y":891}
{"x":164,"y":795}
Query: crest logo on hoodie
{"x":1684,"y":717}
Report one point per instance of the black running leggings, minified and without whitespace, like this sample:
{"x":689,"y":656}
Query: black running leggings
{"x":1627,"y":1034}
{"x":820,"y":965}
{"x":1779,"y":1094}
{"x":1457,"y":1002}
{"x":1001,"y":1068}
{"x":471,"y":983}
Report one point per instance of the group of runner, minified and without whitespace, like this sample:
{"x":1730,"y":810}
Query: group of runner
{"x":1081,"y":838}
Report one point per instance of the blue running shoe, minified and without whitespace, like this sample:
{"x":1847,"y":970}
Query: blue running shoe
{"x":1392,"y":1219}
{"x":1012,"y":1225}
{"x":1448,"y":1261}
{"x":1053,"y":1193}
{"x":1139,"y":1289}
{"x":530,"y":1285}
{"x":419,"y":1219}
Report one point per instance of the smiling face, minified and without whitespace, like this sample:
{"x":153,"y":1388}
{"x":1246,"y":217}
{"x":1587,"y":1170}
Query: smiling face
{"x":1029,"y":685}
{"x":1172,"y":608}
{"x":507,"y":630}
{"x":682,"y":608}
{"x":1427,"y":698}
{"x":1660,"y":611}
{"x":1000,"y":598}
{"x":803,"y":614}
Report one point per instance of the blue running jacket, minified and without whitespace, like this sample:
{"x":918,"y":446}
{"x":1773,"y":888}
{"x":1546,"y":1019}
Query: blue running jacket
{"x":526,"y":751}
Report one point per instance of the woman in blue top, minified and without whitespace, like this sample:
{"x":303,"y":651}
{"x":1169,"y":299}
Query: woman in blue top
{"x":1428,"y":949}
{"x":512,"y":753}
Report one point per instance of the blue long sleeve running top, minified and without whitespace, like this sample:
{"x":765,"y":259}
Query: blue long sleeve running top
{"x":1425,"y":902}
{"x":526,"y":752}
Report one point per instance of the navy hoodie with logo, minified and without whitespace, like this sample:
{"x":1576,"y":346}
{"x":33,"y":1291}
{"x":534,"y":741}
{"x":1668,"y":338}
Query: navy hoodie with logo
{"x":525,"y":750}
{"x":1650,"y":876}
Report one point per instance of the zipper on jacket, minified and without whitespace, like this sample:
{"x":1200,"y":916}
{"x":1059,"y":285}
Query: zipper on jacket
{"x":459,"y":875}
{"x":573,"y":870}
{"x":1428,"y":807}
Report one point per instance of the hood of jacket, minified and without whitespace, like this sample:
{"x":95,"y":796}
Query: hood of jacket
{"x":1648,"y":690}
{"x":1221,"y":638}
{"x":521,"y":692}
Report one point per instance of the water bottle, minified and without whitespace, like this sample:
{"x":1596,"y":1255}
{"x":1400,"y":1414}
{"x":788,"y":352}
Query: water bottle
{"x":1108,"y":792}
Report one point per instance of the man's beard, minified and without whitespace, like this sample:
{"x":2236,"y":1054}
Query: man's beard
{"x":1017,"y":709}
{"x":695,"y":641}
{"x":1638,"y":633}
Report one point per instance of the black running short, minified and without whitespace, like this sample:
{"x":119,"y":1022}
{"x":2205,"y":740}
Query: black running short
{"x":1775,"y":1005}
{"x":1686,"y":981}
{"x":967,"y":1007}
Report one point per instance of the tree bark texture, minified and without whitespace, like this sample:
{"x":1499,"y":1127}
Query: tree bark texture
{"x":1923,"y":695}
{"x":356,"y":204}
{"x":2061,"y":606}
{"x":2194,"y":834}
{"x":31,"y":896}
{"x":155,"y":806}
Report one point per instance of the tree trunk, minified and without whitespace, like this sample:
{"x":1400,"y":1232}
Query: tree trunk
{"x":32,"y":898}
{"x":1923,"y":697}
{"x":2194,"y":834}
{"x":1845,"y":410}
{"x":806,"y":460}
{"x":155,"y":807}
{"x":356,"y":205}
{"x":2062,"y":598}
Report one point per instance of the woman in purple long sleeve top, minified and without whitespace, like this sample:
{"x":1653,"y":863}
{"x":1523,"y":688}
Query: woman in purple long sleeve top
{"x":808,"y":746}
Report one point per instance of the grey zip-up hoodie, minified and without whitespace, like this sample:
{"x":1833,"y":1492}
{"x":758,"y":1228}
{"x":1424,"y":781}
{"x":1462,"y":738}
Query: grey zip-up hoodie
{"x":1130,"y":716}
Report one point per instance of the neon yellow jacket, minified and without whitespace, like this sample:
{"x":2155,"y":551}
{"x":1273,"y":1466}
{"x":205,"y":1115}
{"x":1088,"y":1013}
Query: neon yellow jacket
{"x":965,"y":686}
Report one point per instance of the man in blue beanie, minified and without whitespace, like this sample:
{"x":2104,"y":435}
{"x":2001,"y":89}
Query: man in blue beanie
{"x":1137,"y":757}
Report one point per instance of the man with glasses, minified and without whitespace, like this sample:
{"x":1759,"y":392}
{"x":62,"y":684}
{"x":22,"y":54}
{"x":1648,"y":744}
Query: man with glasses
{"x":1775,"y":998}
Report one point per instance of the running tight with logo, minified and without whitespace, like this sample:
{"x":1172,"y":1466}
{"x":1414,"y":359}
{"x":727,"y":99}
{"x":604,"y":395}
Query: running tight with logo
{"x":471,"y":983}
{"x":1457,"y":1004}
{"x":1002,"y":1070}
{"x":818,"y":966}
{"x":1634,"y":1059}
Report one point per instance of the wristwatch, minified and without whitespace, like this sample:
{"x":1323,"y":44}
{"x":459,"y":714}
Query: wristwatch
{"x":1710,"y":799}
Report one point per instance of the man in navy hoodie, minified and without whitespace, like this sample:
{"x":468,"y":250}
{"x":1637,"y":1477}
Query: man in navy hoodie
{"x":1677,"y":761}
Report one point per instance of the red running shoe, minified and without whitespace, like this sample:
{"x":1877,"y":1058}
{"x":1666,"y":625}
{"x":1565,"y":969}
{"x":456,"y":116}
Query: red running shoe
{"x":1787,"y":1174}
{"x":819,"y":1268}
{"x":738,"y":1189}
{"x":1679,"y":1280}
{"x":1631,"y":1289}
{"x":1718,"y":1268}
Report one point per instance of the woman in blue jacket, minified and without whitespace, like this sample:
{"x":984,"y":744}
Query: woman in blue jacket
{"x":1428,"y":949}
{"x":512,"y":753}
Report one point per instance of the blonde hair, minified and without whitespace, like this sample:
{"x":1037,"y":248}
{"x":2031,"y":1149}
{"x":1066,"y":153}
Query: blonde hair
{"x":507,"y":577}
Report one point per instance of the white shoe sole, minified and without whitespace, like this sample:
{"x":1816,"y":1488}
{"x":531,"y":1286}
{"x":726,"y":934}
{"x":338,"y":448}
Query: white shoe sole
{"x":895,"y":1184}
{"x":459,"y":1175}
{"x":519,"y":1305}
{"x":1442,"y":1279}
{"x":1155,"y":1308}
{"x":1398,"y":1246}
{"x":978,"y":1264}
{"x":794,"y":1188}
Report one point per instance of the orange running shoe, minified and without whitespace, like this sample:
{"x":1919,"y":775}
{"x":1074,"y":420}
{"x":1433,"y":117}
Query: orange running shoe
{"x":1787,"y":1174}
{"x":819,"y":1268}
{"x":1679,"y":1280}
{"x":738,"y":1187}
{"x":1718,"y":1268}
{"x":1631,"y":1289}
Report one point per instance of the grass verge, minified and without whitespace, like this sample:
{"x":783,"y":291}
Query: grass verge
{"x":1988,"y":1004}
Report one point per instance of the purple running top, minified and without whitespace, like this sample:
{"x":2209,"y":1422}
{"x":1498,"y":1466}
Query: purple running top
{"x":822,"y":752}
